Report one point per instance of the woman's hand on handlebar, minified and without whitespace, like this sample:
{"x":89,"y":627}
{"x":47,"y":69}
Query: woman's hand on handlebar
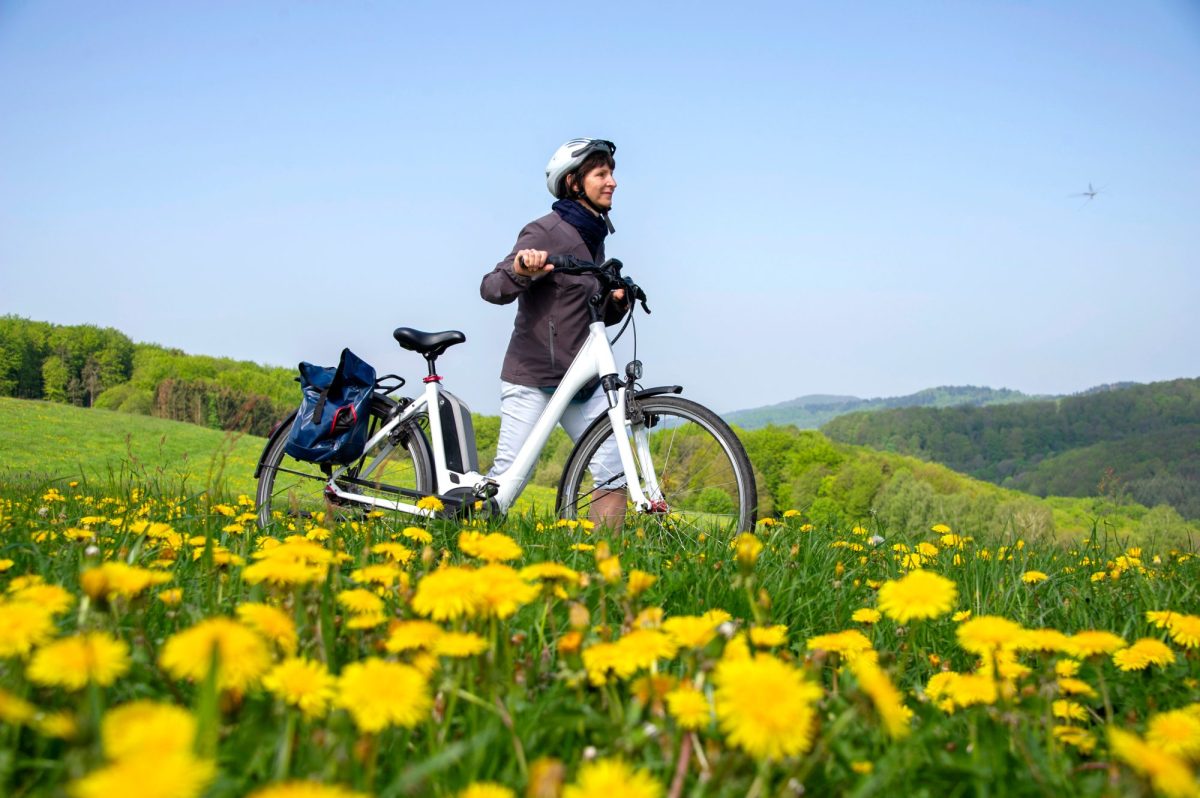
{"x":532,"y":263}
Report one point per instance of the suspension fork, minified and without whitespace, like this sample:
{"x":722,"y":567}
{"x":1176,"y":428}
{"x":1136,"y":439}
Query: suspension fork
{"x":627,"y":420}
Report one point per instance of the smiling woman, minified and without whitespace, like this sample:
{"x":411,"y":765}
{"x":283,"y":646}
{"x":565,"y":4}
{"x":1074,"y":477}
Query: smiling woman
{"x":552,"y":314}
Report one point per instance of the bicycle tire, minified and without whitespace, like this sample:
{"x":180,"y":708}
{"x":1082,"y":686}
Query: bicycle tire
{"x":705,"y":476}
{"x":290,"y":489}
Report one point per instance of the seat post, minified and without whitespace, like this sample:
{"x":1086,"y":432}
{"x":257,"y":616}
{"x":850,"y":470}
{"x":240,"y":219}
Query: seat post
{"x":431,"y":359}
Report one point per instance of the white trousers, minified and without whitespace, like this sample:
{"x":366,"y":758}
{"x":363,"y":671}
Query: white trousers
{"x":520,"y":408}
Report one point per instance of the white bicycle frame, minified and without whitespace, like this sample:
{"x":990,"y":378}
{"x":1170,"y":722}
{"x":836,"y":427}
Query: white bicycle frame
{"x":595,"y":359}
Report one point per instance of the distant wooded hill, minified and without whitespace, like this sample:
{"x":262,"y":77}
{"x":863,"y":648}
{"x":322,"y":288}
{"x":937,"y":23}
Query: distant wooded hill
{"x":814,"y":410}
{"x":89,"y":366}
{"x":1140,"y":442}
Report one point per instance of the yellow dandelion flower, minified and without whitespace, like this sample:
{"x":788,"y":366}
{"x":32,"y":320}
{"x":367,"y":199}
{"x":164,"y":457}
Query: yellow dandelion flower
{"x":270,"y":622}
{"x":690,"y":631}
{"x":23,"y":626}
{"x":73,"y":662}
{"x":283,"y":572}
{"x":639,"y":649}
{"x":689,"y":707}
{"x":417,"y":534}
{"x":360,"y":601}
{"x":382,"y":574}
{"x":1082,"y":645}
{"x":768,"y":636}
{"x":609,"y":569}
{"x":970,"y":689}
{"x":409,"y":635}
{"x":849,"y":643}
{"x":639,"y":582}
{"x":1033,"y":577}
{"x":765,"y":706}
{"x":919,"y":594}
{"x":15,"y":711}
{"x":960,"y":616}
{"x":1069,"y":685}
{"x":1068,"y":710}
{"x":57,"y":725}
{"x":367,"y":620}
{"x":717,"y":616}
{"x":242,"y":655}
{"x":116,"y":579}
{"x":888,"y":702}
{"x":305,"y":789}
{"x":1066,"y":668}
{"x":171,"y":597}
{"x":987,"y":633}
{"x":1142,"y":654}
{"x":1176,"y":732}
{"x":53,"y":599}
{"x":397,"y":552}
{"x":380,"y":694}
{"x":607,"y":778}
{"x":180,"y":775}
{"x":493,"y":547}
{"x":1075,"y":737}
{"x":747,"y":548}
{"x":1185,"y":630}
{"x":147,"y":729}
{"x":582,"y":547}
{"x":431,"y":504}
{"x":866,"y":615}
{"x":501,"y":591}
{"x":487,"y":789}
{"x":550,"y":572}
{"x":1160,"y":618}
{"x":448,"y":594}
{"x":302,"y":683}
{"x":459,"y":645}
{"x":1169,"y":774}
{"x":1048,"y":640}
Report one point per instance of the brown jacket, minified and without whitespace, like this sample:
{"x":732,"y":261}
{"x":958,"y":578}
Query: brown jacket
{"x":552,"y":315}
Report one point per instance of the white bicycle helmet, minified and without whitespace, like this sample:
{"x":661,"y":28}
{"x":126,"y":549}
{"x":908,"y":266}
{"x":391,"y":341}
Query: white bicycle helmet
{"x":567,"y":159}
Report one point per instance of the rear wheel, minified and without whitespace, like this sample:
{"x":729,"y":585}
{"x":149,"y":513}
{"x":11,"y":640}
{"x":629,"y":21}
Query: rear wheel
{"x":705,"y":481}
{"x":290,"y":489}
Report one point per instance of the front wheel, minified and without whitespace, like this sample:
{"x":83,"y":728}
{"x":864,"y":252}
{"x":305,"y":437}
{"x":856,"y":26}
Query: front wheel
{"x":704,"y":479}
{"x":290,"y":489}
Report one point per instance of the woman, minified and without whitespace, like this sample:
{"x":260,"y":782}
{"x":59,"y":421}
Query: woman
{"x":552,"y":316}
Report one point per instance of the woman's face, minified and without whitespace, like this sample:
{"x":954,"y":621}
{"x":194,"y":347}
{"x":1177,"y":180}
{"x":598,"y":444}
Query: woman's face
{"x":599,"y":185}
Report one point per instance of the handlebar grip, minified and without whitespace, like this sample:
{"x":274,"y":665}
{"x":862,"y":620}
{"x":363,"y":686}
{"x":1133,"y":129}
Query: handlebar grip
{"x":568,"y":262}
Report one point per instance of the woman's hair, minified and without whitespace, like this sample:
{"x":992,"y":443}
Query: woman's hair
{"x":595,"y":159}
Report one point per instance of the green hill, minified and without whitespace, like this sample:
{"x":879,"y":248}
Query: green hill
{"x":1140,"y":442}
{"x":814,"y":410}
{"x":829,"y":482}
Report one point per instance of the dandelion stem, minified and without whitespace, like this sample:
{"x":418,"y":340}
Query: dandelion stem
{"x":283,"y":759}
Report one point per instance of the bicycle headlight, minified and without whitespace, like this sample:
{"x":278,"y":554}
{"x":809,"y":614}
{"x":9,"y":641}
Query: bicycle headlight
{"x":633,"y":370}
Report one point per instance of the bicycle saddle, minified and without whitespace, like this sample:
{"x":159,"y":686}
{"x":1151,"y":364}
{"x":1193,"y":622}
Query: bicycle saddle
{"x":430,"y":344}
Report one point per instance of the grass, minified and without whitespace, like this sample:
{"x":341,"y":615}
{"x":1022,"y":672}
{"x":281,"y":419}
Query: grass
{"x":530,"y":696}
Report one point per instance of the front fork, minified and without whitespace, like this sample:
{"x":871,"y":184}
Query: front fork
{"x":641,"y":480}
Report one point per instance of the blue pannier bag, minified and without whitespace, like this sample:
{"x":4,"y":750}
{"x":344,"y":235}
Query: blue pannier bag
{"x":331,"y":425}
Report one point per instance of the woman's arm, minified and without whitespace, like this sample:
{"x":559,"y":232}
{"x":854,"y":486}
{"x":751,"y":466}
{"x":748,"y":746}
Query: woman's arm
{"x":507,"y":281}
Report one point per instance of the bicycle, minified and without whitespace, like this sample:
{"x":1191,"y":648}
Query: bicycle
{"x":692,"y":472}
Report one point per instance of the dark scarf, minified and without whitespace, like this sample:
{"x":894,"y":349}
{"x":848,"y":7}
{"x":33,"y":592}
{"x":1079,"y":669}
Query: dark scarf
{"x":592,"y":228}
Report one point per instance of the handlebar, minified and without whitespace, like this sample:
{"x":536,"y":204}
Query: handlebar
{"x":608,"y":273}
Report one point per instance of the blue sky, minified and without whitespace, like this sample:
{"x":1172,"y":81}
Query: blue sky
{"x":855,"y":198}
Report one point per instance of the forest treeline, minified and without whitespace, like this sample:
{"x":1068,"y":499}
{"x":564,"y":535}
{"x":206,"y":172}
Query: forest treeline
{"x":89,"y":366}
{"x":1140,"y":442}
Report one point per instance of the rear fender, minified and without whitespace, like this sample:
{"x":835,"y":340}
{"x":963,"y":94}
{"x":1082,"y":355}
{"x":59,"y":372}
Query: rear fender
{"x":282,"y":428}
